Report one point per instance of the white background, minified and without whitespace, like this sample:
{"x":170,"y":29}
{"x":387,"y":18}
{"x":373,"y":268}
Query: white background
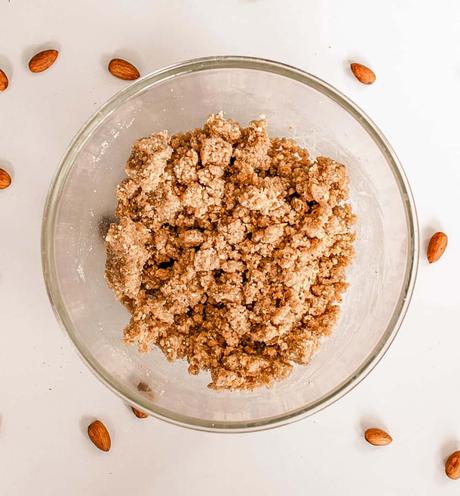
{"x":47,"y":396}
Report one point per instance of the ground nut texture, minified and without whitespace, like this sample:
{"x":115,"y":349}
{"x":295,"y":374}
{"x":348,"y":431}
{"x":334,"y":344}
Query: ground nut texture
{"x":230,"y":250}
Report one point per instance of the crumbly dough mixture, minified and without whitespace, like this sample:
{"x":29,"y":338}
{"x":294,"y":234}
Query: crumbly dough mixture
{"x":230,"y":250}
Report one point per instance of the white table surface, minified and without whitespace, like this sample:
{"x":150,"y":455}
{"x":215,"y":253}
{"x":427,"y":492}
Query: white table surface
{"x":46,"y":393}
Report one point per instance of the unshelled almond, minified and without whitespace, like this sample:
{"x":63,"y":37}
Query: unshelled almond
{"x":436,"y":247}
{"x":99,"y":435}
{"x":3,"y":81}
{"x":362,"y":73}
{"x":5,"y":179}
{"x":43,"y":60}
{"x":123,"y":69}
{"x":453,"y":465}
{"x":377,"y":437}
{"x":138,"y":413}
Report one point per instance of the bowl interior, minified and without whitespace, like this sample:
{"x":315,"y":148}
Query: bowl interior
{"x":83,"y":199}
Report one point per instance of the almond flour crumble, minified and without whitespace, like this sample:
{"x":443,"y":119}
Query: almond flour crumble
{"x":230,"y":250}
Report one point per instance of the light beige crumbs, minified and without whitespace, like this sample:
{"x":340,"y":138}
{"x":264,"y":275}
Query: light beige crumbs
{"x":230,"y":250}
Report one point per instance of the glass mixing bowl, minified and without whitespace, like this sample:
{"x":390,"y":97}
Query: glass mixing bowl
{"x":179,"y":98}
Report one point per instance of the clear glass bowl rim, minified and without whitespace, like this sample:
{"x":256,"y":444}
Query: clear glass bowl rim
{"x":180,"y":69}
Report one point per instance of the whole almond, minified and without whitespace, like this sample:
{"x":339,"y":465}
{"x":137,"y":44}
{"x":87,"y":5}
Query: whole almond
{"x":436,"y":247}
{"x":123,"y":69}
{"x":99,"y":435}
{"x":453,"y":465}
{"x":3,"y":81}
{"x":362,"y":73}
{"x":138,"y":413}
{"x":377,"y":437}
{"x":43,"y":60}
{"x":5,"y":179}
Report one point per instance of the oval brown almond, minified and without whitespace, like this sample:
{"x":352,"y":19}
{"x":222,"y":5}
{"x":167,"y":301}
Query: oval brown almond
{"x":123,"y":69}
{"x":3,"y":81}
{"x":362,"y":73}
{"x":436,"y":247}
{"x":453,"y":465}
{"x":99,"y":435}
{"x":43,"y":60}
{"x":5,"y":179}
{"x":377,"y":437}
{"x":138,"y":413}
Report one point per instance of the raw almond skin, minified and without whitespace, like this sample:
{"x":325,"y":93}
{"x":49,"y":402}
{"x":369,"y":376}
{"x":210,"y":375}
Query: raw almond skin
{"x":436,"y":247}
{"x":138,"y":413}
{"x":43,"y":60}
{"x":453,"y":466}
{"x":377,"y":437}
{"x":99,"y":435}
{"x":5,"y":179}
{"x":362,"y":73}
{"x":3,"y":81}
{"x":123,"y":69}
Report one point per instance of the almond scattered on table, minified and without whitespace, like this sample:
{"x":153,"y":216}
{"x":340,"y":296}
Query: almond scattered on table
{"x":436,"y":247}
{"x":138,"y":413}
{"x":5,"y":179}
{"x":99,"y":435}
{"x":377,"y":437}
{"x":123,"y":69}
{"x":3,"y":80}
{"x":362,"y":73}
{"x":43,"y":60}
{"x":453,"y":465}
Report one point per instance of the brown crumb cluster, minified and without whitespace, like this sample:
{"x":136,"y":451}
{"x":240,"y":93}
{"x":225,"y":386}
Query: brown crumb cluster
{"x":230,"y":250}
